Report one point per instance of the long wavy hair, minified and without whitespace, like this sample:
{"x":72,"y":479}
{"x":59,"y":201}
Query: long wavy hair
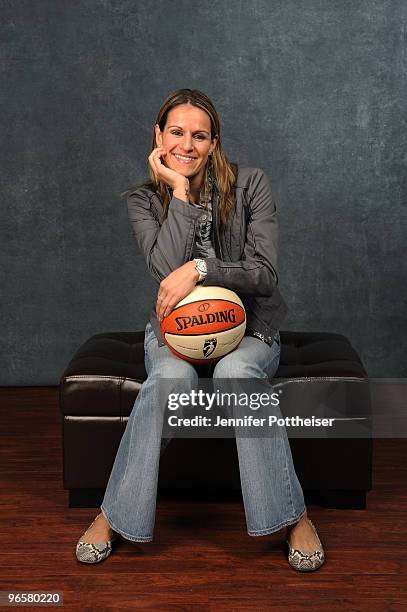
{"x":223,"y":172}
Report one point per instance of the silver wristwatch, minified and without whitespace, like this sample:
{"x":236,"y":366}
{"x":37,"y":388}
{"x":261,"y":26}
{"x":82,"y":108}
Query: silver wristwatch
{"x":200,"y":266}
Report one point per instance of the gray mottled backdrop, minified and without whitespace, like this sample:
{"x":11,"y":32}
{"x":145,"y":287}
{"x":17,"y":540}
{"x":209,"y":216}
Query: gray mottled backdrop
{"x":312,"y":92}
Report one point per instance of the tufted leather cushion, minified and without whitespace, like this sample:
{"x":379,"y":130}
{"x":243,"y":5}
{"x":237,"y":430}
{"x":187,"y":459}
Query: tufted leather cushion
{"x":318,"y":354}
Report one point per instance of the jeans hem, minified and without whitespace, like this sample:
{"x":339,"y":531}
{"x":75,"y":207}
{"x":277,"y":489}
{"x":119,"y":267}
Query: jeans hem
{"x":269,"y":530}
{"x":124,"y":534}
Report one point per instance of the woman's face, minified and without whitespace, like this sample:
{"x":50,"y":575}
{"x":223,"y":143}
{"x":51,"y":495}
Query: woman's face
{"x":187,"y":141}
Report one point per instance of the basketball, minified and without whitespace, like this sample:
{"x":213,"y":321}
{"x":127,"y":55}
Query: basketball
{"x":207,"y":324}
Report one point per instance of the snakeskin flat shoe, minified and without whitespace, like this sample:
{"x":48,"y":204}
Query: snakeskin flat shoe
{"x":94,"y":553}
{"x":306,"y":562}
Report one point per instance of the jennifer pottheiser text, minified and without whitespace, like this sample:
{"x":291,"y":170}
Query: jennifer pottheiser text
{"x":249,"y":421}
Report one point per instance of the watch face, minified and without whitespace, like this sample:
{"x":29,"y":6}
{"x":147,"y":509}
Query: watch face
{"x":200,"y":266}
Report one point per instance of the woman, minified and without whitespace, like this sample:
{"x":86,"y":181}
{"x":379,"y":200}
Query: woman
{"x":202,"y":219}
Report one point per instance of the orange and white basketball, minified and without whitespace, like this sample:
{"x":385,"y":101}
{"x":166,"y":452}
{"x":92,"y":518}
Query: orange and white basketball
{"x":207,"y":324}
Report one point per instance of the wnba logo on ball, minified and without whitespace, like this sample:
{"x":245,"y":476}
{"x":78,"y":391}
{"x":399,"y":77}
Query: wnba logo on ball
{"x":209,"y":346}
{"x":207,"y":324}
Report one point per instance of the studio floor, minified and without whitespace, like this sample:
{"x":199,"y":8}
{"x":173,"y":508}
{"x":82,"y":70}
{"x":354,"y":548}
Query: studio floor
{"x":202,"y":557}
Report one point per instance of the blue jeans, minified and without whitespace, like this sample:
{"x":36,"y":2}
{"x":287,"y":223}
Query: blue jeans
{"x":272,"y":494}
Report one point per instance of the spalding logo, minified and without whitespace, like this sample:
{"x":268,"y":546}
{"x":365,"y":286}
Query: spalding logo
{"x":203,"y":307}
{"x":224,"y":316}
{"x":209,"y":346}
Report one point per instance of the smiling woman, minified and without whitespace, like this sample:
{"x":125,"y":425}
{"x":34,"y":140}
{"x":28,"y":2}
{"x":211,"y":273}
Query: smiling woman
{"x":187,"y":126}
{"x":198,"y":202}
{"x":185,"y":143}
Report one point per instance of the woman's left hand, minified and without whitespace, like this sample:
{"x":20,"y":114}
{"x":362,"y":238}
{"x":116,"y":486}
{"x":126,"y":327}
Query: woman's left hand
{"x":175,"y":287}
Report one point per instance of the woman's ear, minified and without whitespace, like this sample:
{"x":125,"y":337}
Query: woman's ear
{"x":158,"y":135}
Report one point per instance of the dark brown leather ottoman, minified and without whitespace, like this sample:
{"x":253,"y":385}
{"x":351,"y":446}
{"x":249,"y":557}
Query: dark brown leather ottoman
{"x":101,"y":383}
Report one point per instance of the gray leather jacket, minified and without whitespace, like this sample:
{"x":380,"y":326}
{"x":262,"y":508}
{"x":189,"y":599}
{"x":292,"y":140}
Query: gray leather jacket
{"x":246,"y":249}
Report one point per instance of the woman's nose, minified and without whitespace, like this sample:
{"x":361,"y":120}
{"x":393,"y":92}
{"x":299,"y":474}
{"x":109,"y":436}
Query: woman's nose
{"x":187,"y":143}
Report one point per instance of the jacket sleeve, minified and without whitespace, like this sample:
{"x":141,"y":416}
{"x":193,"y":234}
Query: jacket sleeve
{"x":170,"y":245}
{"x":256,"y":272}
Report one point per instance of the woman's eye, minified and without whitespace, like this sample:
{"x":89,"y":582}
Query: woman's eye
{"x":177,"y":133}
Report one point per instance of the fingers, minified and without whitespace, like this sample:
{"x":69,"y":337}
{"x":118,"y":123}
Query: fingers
{"x":163,"y":306}
{"x":159,"y":307}
{"x":155,"y":161}
{"x":175,"y":287}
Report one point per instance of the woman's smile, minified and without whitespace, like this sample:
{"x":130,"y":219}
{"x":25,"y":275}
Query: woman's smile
{"x":183,"y":159}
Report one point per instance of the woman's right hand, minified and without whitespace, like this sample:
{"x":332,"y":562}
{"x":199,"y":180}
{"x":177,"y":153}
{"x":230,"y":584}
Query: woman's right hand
{"x":163,"y":173}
